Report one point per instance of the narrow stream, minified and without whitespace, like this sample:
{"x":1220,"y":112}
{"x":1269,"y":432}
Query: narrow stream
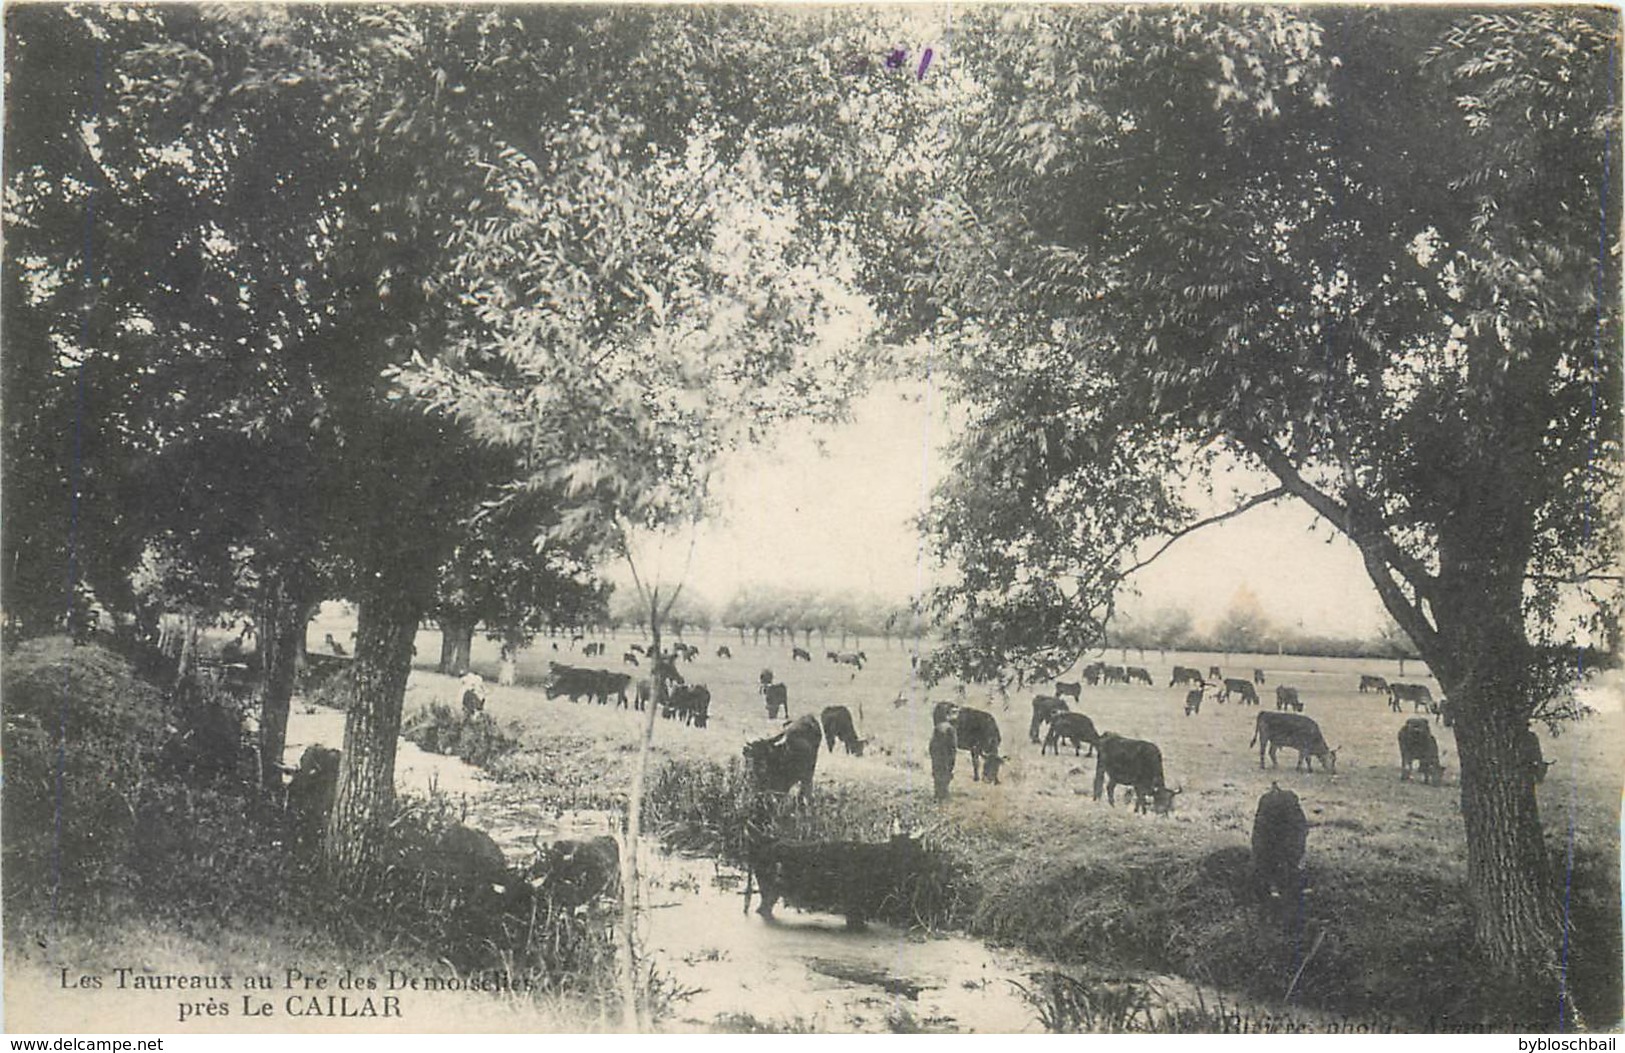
{"x":799,"y":971}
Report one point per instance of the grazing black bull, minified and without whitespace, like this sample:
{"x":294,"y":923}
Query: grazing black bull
{"x":788,"y":758}
{"x":724,"y":652}
{"x":1193,"y":701}
{"x":848,"y":877}
{"x":574,"y":872}
{"x":852,"y":658}
{"x":1530,"y":759}
{"x":1131,"y":762}
{"x":1287,"y":698}
{"x":1244,"y":688}
{"x":1445,"y":712}
{"x":311,"y":790}
{"x":1093,"y":672}
{"x":1280,"y":834}
{"x":1213,"y":673}
{"x":942,"y":711}
{"x":1184,"y":674}
{"x":1417,"y":745}
{"x":1044,"y":709}
{"x":690,"y":703}
{"x":1418,"y":695}
{"x":1258,"y":676}
{"x":944,"y":746}
{"x":1373,"y":683}
{"x":798,"y":654}
{"x":1073,"y":690}
{"x":777,"y":697}
{"x":630,"y":659}
{"x":1275,"y":730}
{"x":1114,"y":674}
{"x":979,"y":735}
{"x":1072,"y":727}
{"x":1138,"y":674}
{"x":838,"y":727}
{"x":597,"y":684}
{"x":460,"y":861}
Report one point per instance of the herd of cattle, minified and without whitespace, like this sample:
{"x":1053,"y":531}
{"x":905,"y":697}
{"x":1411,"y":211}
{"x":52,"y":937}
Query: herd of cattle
{"x":787,"y":760}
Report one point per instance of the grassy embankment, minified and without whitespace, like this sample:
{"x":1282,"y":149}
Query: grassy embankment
{"x":1382,"y":933}
{"x":123,"y":849}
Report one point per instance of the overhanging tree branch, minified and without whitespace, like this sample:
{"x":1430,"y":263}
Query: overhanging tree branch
{"x":1252,"y":502}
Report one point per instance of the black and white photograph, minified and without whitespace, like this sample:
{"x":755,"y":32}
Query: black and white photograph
{"x":571,"y":519}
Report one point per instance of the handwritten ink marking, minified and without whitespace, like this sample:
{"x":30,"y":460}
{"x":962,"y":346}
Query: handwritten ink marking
{"x":925,"y":63}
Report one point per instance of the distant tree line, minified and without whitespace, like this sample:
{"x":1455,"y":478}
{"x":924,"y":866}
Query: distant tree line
{"x":779,"y":615}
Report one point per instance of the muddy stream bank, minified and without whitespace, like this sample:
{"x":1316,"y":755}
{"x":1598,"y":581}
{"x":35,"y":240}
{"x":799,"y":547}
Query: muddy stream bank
{"x":800,"y":971}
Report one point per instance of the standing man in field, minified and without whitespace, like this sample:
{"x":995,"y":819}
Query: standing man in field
{"x":944,"y":746}
{"x":473,"y":694}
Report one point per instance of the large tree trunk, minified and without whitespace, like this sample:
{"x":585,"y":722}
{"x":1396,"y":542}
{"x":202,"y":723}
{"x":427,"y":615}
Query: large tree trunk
{"x":366,"y":791}
{"x":1482,"y":658}
{"x":456,"y":644}
{"x":281,"y":633}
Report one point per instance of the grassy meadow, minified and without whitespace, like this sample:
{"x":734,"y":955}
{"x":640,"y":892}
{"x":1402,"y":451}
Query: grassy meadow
{"x":1382,"y":930}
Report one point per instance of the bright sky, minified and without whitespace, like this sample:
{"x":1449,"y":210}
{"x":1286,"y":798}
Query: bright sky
{"x":830,"y":508}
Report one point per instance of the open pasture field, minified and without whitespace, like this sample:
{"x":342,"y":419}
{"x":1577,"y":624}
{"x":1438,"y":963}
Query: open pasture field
{"x":1363,"y":812}
{"x":1047,"y":868}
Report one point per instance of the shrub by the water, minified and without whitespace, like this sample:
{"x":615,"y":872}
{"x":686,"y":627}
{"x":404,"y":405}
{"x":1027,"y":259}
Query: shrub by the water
{"x":477,"y":739}
{"x":126,"y":803}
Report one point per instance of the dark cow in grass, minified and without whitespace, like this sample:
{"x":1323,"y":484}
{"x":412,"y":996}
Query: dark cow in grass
{"x":1287,"y":698}
{"x":1071,"y":727}
{"x":944,"y":747}
{"x":1044,"y":709}
{"x":1418,"y":695}
{"x":1072,"y":690}
{"x":574,"y":872}
{"x":788,"y":758}
{"x":724,"y":652}
{"x":689,"y":703}
{"x":1530,"y":761}
{"x":838,"y":727}
{"x":1275,"y":730}
{"x":1184,"y":674}
{"x":852,"y":658}
{"x":798,"y":654}
{"x":1417,"y":746}
{"x":978,"y":735}
{"x":311,"y":790}
{"x":845,"y":877}
{"x":1244,"y":688}
{"x":1138,"y":674}
{"x":1114,"y":674}
{"x":1093,"y":672}
{"x":777,"y":697}
{"x":1373,"y":683}
{"x":1193,"y":701}
{"x":1131,"y":762}
{"x":1280,"y":834}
